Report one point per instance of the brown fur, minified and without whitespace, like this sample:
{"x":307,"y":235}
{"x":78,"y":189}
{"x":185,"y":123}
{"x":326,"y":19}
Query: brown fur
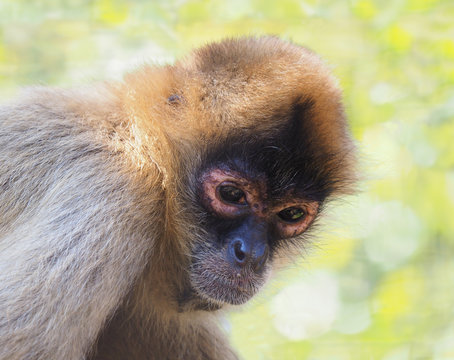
{"x":95,"y":230}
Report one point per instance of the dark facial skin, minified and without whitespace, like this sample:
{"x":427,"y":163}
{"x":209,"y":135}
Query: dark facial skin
{"x":247,"y":224}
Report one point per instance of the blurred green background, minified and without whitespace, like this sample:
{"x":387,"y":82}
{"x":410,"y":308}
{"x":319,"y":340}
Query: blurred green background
{"x":378,"y":282}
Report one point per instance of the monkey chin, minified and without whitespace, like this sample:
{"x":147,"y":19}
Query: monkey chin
{"x":215,"y":284}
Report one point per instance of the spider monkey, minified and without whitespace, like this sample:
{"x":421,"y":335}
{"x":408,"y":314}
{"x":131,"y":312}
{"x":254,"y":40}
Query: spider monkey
{"x":131,"y":212}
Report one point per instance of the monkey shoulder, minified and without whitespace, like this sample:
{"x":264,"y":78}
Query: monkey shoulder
{"x":68,"y":147}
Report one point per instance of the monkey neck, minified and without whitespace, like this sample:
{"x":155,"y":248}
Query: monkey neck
{"x":151,"y":334}
{"x":189,"y":301}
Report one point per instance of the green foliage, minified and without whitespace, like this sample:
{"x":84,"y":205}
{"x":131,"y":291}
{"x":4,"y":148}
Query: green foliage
{"x":378,"y":283}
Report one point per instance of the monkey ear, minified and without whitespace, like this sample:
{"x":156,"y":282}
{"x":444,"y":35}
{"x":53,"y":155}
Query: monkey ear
{"x":175,"y":99}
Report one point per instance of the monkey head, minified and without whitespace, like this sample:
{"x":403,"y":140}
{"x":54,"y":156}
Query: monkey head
{"x":262,"y":144}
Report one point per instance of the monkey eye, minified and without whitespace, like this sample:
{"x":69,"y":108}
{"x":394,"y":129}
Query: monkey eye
{"x":232,"y":195}
{"x":292,"y":214}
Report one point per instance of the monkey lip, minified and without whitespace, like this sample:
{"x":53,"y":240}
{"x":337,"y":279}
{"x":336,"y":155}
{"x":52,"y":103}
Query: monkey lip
{"x":227,"y":294}
{"x":231,"y":287}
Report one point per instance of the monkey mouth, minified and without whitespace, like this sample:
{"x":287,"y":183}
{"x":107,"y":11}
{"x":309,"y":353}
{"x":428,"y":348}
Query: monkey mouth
{"x":221,"y":287}
{"x":220,"y":293}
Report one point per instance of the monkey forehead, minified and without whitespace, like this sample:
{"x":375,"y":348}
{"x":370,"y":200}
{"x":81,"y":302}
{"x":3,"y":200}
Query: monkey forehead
{"x":237,"y":78}
{"x":255,"y":84}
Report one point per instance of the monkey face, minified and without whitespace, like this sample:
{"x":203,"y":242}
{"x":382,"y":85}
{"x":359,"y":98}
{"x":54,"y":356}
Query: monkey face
{"x":255,"y":195}
{"x":246,"y":225}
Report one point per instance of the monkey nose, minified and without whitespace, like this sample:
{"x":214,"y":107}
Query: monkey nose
{"x":244,"y":254}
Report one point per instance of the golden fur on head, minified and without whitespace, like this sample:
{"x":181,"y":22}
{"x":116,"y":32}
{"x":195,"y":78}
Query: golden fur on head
{"x":242,"y":83}
{"x":104,"y":247}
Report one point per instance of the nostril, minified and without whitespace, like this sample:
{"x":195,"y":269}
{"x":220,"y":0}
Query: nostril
{"x":261,"y":257}
{"x":239,"y":253}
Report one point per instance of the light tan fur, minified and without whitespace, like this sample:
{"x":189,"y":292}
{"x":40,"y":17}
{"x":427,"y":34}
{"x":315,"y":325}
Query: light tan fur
{"x":95,"y":231}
